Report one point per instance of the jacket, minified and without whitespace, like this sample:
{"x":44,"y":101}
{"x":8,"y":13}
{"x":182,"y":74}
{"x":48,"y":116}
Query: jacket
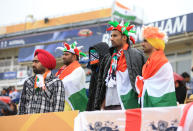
{"x":134,"y":59}
{"x":102,"y":49}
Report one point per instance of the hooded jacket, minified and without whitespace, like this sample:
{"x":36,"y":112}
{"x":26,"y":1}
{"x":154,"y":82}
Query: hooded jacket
{"x":102,"y":49}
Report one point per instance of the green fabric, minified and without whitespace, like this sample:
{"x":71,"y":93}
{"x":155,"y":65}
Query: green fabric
{"x":130,"y":100}
{"x":168,"y":99}
{"x":79,"y":100}
{"x":124,"y":16}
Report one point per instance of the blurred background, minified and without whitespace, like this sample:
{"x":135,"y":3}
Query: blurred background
{"x":27,"y":25}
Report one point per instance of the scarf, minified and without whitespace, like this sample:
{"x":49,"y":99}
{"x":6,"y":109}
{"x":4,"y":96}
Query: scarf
{"x":118,"y":62}
{"x":40,"y":81}
{"x":67,"y":70}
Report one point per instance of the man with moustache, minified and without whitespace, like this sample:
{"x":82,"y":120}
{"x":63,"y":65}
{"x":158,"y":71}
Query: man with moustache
{"x":73,"y":77}
{"x":156,"y":84}
{"x":118,"y":71}
{"x":42,"y":92}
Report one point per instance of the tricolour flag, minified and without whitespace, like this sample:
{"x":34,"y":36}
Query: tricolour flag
{"x":144,"y":119}
{"x":123,"y":12}
{"x":73,"y":78}
{"x":159,"y":90}
{"x":75,"y":91}
{"x":156,"y":87}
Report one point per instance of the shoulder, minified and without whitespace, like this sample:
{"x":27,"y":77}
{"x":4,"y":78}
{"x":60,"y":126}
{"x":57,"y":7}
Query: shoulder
{"x":29,"y":80}
{"x":136,"y":51}
{"x":78,"y":70}
{"x":55,"y":81}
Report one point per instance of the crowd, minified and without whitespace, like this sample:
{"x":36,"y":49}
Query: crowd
{"x":122,"y":77}
{"x":9,"y":99}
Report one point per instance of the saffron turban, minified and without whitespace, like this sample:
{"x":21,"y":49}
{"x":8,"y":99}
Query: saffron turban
{"x":155,"y":37}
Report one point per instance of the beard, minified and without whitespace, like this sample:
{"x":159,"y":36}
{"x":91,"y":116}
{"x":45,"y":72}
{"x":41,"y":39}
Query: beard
{"x":147,"y":51}
{"x":41,"y":70}
{"x":67,"y":62}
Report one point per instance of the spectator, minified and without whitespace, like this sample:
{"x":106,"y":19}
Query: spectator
{"x":42,"y":92}
{"x":180,"y":88}
{"x":188,"y":82}
{"x":14,"y":95}
{"x":96,"y":55}
{"x":4,"y":92}
{"x":13,"y":109}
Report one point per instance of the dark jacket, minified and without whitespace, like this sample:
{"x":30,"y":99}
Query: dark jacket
{"x":135,"y":60}
{"x":102,"y":49}
{"x":181,"y":92}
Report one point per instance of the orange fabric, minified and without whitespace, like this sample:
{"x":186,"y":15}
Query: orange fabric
{"x":122,"y":65}
{"x":133,"y":120}
{"x":68,"y":70}
{"x":44,"y":76}
{"x":140,"y":84}
{"x":153,"y":64}
{"x":185,"y":113}
{"x":60,"y":70}
{"x":94,"y":62}
{"x":151,"y":67}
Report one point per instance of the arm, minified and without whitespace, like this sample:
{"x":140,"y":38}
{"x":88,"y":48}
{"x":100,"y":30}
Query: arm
{"x":22,"y":102}
{"x":59,"y":96}
{"x":100,"y":88}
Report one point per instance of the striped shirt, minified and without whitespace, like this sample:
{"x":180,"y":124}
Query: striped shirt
{"x":49,"y":100}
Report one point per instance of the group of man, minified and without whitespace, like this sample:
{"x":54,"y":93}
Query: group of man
{"x":122,"y":77}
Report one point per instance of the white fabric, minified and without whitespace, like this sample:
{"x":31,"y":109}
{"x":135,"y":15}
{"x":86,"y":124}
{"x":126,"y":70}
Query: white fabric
{"x":126,"y":12}
{"x":188,"y":126}
{"x":162,"y":82}
{"x":123,"y":84}
{"x":14,"y":95}
{"x":74,"y":82}
{"x":149,"y":117}
{"x":41,"y":83}
{"x":159,"y":84}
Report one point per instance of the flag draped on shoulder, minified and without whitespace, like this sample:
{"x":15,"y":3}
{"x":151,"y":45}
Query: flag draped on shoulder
{"x":73,"y":78}
{"x":156,"y":86}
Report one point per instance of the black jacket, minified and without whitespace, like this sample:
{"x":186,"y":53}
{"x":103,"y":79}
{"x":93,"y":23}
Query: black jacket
{"x":135,"y":60}
{"x":102,"y":49}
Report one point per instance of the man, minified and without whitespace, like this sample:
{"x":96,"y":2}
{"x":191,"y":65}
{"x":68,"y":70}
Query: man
{"x":156,"y":86}
{"x":43,"y":92}
{"x":4,"y":92}
{"x":14,"y":95}
{"x":96,"y":55}
{"x":73,"y":78}
{"x":189,"y":83}
{"x":118,"y":70}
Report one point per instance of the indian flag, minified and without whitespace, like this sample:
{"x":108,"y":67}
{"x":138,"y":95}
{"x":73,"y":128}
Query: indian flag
{"x":123,"y":12}
{"x":158,"y":90}
{"x":144,"y":119}
{"x":75,"y":91}
{"x":128,"y":97}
